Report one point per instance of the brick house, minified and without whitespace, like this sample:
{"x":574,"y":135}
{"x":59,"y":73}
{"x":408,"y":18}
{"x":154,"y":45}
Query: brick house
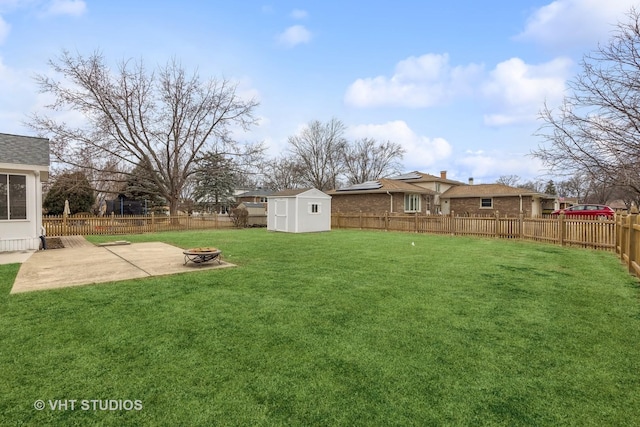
{"x":495,"y":199}
{"x":383,"y":195}
{"x":417,"y":192}
{"x":437,"y":184}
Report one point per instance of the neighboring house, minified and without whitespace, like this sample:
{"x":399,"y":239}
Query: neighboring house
{"x":383,"y":195}
{"x":431,"y":182}
{"x":257,"y":213}
{"x":492,"y":199}
{"x":24,"y":166}
{"x":565,"y":202}
{"x":258,"y":195}
{"x":299,"y":211}
{"x":422,"y":193}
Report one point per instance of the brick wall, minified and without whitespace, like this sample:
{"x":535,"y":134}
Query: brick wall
{"x":374,"y":203}
{"x":505,"y":206}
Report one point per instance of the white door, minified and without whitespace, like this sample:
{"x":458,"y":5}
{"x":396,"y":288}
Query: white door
{"x":281,"y":215}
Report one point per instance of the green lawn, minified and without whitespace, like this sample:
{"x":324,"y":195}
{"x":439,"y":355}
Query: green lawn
{"x":348,"y":328}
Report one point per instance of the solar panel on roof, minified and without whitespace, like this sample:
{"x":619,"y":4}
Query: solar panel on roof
{"x":369,"y":185}
{"x":410,"y":175}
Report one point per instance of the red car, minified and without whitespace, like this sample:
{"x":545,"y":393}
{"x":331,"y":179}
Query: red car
{"x":588,"y":211}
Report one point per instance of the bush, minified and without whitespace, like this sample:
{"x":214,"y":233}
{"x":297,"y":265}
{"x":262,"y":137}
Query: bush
{"x":240,"y":217}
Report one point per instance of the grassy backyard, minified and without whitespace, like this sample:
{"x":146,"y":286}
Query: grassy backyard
{"x":346,"y":328}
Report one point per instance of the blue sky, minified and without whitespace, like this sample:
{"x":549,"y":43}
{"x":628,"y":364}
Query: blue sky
{"x":458,"y":84}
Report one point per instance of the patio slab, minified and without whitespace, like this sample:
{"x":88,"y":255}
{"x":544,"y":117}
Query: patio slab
{"x":15,"y":256}
{"x":61,"y":268}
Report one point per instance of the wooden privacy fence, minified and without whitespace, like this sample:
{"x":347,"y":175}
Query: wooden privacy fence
{"x":628,"y":242}
{"x":118,"y":224}
{"x":586,"y":233}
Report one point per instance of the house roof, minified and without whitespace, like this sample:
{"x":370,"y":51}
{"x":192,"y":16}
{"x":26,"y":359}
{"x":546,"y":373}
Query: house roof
{"x":416,"y":176}
{"x":382,"y":185}
{"x":252,"y":205}
{"x":24,"y":150}
{"x":260,"y":192}
{"x":487,"y":190}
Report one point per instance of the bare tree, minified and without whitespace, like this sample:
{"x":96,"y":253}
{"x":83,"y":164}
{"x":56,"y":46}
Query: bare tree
{"x":133,"y":117}
{"x":510,"y":180}
{"x":537,"y":186}
{"x":283,"y":173}
{"x":319,"y":148}
{"x":597,"y":128}
{"x":366,"y":160}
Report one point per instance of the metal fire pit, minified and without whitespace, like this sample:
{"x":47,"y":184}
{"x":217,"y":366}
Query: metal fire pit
{"x":200,"y":255}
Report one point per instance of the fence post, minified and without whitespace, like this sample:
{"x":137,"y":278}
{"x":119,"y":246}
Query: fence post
{"x":452,"y":224}
{"x":521,"y":226}
{"x":360,"y":220}
{"x":561,"y":228}
{"x":416,"y":222}
{"x":618,"y":241}
{"x":386,"y":221}
{"x":631,"y":242}
{"x":496,"y":229}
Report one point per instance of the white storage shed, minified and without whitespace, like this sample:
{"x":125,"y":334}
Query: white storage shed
{"x":299,"y":211}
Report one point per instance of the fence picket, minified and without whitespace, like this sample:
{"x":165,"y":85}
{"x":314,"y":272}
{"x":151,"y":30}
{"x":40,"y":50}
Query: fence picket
{"x":58,"y":225}
{"x":595,"y":234}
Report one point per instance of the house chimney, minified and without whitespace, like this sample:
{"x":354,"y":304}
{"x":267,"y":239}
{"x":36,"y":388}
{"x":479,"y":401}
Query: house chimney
{"x":471,"y":181}
{"x":443,"y":174}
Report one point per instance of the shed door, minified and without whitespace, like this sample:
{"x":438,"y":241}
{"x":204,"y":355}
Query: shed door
{"x":281,"y":215}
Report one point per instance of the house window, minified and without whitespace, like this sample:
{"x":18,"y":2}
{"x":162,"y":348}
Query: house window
{"x":314,"y":208}
{"x":486,"y":203}
{"x":13,"y":197}
{"x":412,"y":203}
{"x":437,"y":187}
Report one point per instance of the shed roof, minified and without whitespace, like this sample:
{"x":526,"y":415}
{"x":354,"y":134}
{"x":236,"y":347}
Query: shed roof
{"x":290,"y":192}
{"x":24,"y":150}
{"x":294,"y":192}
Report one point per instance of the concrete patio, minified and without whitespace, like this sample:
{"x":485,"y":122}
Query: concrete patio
{"x":82,"y":263}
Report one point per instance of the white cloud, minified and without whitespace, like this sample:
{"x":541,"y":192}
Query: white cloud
{"x":514,"y":90}
{"x":486,"y":168}
{"x":418,"y":82}
{"x":565,"y":23}
{"x":67,"y":7}
{"x":421,"y":151}
{"x":299,"y":14}
{"x":518,"y":90}
{"x":19,"y":97}
{"x":294,"y":36}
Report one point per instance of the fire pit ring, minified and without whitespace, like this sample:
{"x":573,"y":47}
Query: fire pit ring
{"x":200,"y":255}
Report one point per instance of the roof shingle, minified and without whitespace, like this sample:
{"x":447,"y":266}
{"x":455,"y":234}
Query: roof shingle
{"x":24,"y":150}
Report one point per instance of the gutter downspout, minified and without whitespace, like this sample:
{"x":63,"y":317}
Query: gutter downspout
{"x":520,"y":195}
{"x":38,"y":231}
{"x":391,"y":203}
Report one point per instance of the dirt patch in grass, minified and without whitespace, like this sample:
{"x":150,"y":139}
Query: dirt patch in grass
{"x":54,"y":243}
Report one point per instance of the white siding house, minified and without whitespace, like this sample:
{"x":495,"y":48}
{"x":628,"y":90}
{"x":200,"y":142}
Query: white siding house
{"x":24,"y":166}
{"x":299,"y":211}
